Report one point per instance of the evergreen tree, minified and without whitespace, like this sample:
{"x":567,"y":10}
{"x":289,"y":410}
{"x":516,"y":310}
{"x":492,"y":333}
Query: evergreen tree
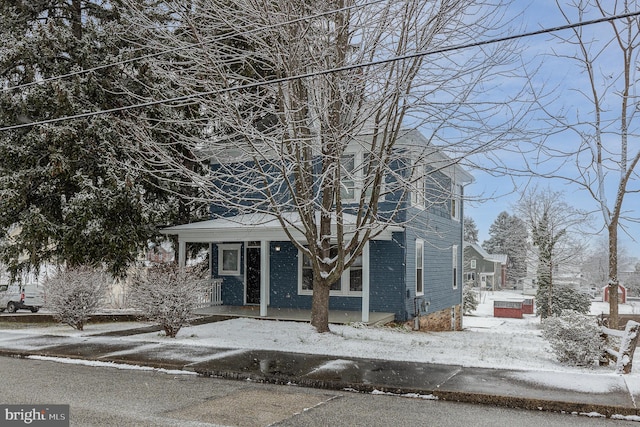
{"x":470,"y":230}
{"x":545,"y":238}
{"x":508,"y":235}
{"x":563,"y":298}
{"x":69,"y":193}
{"x":469,"y":299}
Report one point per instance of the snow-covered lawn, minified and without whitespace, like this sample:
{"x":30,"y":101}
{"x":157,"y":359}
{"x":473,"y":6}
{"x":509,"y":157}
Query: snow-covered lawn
{"x":485,"y":341}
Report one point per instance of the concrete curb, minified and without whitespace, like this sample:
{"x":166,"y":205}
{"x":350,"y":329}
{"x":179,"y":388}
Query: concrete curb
{"x":452,"y":396}
{"x":438,"y":385}
{"x":535,"y":404}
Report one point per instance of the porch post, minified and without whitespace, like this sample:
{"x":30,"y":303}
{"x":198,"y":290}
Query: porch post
{"x":182,"y":253}
{"x":264,"y":277}
{"x":365,"y":283}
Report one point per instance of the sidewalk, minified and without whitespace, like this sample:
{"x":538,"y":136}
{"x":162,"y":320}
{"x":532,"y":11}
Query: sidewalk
{"x":503,"y":387}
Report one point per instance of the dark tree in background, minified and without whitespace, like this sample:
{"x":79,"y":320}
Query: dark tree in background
{"x":67,"y":193}
{"x":508,"y":235}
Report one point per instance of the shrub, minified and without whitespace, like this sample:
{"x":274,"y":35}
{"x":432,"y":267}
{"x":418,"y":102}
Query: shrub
{"x":574,"y":337}
{"x":562,"y":298}
{"x":75,"y":294}
{"x":168,"y":295}
{"x":469,"y":299}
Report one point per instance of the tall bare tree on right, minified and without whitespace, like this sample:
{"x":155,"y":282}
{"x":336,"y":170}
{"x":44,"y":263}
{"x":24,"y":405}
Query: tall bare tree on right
{"x":588,"y":143}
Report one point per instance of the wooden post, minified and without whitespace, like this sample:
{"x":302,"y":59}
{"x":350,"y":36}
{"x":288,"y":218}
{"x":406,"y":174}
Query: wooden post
{"x":627,"y":347}
{"x":365,"y":283}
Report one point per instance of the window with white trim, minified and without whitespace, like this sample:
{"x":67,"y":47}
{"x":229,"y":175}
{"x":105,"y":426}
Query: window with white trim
{"x":371,"y":169}
{"x":418,"y":190}
{"x":229,"y":259}
{"x":419,"y":267}
{"x":473,"y":263}
{"x":455,"y":266}
{"x":357,"y":171}
{"x":350,"y":284}
{"x":348,"y":176}
{"x":456,"y":199}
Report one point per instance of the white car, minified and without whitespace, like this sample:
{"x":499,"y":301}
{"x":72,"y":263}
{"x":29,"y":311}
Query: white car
{"x":13,"y":298}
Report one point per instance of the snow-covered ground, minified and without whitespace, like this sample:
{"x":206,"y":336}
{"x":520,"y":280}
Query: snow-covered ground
{"x":485,"y":341}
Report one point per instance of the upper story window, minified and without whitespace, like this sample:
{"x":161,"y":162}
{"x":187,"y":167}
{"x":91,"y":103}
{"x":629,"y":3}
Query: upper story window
{"x":456,"y":200}
{"x":418,"y":188}
{"x":348,"y":176}
{"x":357,"y":174}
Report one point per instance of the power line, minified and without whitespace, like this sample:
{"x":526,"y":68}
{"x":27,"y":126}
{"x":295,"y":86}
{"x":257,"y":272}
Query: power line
{"x":323,"y":72}
{"x":206,"y":41}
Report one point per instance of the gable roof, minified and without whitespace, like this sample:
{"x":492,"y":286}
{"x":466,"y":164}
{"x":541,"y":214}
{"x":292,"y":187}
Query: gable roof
{"x":414,"y":140}
{"x":499,"y":258}
{"x":410,"y":139}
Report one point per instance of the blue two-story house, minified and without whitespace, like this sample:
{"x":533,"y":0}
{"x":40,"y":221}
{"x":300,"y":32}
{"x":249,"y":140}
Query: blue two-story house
{"x":411,"y":270}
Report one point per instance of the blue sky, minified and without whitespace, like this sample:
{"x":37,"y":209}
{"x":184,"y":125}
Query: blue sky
{"x":493,"y":194}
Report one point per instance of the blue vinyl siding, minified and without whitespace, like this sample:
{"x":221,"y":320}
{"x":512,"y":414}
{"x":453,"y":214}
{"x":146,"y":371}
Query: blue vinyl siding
{"x":392,"y":263}
{"x":284,"y":278}
{"x":387,"y":276}
{"x":439,"y":235}
{"x":386,"y":279}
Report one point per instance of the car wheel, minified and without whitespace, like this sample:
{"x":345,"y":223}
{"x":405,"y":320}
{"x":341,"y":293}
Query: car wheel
{"x":34,"y":309}
{"x":11,"y":307}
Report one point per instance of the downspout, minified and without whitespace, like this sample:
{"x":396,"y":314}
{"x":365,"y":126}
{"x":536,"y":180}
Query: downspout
{"x":461,"y":263}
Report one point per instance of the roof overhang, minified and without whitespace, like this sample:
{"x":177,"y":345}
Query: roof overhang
{"x":260,"y":226}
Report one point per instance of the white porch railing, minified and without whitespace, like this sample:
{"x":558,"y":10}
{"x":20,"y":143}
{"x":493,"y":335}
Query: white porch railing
{"x":212,"y":295}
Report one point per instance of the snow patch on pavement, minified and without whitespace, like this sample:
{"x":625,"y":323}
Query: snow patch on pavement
{"x":123,"y":366}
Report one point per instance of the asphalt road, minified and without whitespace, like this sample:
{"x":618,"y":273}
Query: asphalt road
{"x":103,"y":396}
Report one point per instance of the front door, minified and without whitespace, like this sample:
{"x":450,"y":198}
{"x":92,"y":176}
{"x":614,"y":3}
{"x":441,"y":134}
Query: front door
{"x":253,"y":273}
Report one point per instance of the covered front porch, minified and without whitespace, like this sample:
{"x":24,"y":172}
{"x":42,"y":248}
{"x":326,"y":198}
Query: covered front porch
{"x":259,"y":272}
{"x":294,"y":314}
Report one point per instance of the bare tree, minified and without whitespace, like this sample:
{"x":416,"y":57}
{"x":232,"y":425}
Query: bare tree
{"x":595,"y":268}
{"x":288,"y":89}
{"x":587,"y":143}
{"x":555,"y":232}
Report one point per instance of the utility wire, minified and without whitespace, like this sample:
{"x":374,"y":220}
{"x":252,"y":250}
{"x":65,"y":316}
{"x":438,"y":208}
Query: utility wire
{"x":204,"y":42}
{"x":323,"y":72}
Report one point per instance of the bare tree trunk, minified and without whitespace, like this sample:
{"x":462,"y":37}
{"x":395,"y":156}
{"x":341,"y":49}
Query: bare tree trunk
{"x":319,"y":305}
{"x":550,"y":290}
{"x":76,"y":20}
{"x":613,"y":275}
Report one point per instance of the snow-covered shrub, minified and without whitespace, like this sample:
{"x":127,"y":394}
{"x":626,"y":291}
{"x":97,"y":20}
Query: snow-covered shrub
{"x":562,"y":298}
{"x":574,"y":337}
{"x":469,"y":299}
{"x":168,"y":295}
{"x":74,"y":294}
